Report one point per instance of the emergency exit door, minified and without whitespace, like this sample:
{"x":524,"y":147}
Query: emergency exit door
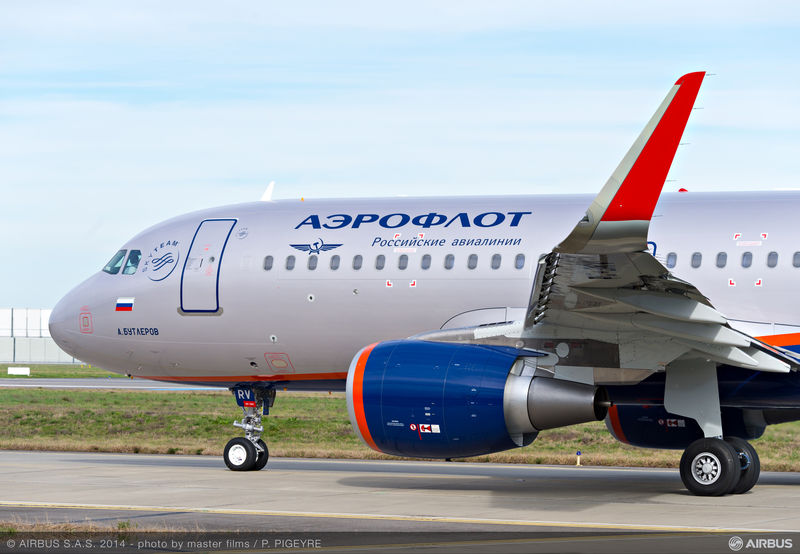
{"x":200,"y":277}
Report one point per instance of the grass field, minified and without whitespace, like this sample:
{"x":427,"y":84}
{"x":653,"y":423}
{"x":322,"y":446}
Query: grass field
{"x":66,"y":371}
{"x":303,"y":425}
{"x":123,"y":529}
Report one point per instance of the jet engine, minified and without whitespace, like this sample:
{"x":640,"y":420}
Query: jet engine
{"x":444,"y":400}
{"x":652,"y":426}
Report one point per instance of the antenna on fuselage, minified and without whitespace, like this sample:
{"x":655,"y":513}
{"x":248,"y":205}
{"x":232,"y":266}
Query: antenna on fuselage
{"x":267,"y":196}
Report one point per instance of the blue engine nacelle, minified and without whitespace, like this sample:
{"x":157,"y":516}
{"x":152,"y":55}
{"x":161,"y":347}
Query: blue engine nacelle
{"x":444,"y":400}
{"x":654,"y":427}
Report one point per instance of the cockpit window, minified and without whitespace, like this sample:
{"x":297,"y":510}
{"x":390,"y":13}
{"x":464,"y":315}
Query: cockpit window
{"x":133,"y":262}
{"x":115,"y":263}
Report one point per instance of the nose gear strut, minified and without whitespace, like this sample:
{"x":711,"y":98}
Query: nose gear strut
{"x":250,"y":452}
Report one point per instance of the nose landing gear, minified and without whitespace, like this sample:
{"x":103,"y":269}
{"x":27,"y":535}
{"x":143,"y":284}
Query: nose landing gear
{"x":249,"y":452}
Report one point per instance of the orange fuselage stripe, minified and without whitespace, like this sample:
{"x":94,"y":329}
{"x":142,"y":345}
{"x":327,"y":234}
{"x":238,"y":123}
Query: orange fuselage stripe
{"x":790,"y":339}
{"x":243,"y":378}
{"x":358,"y":397}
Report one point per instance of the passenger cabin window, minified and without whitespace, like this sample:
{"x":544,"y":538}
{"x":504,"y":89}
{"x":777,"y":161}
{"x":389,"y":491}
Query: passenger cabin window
{"x":472,"y":261}
{"x":722,"y":259}
{"x":335,"y":262}
{"x":672,"y":259}
{"x":358,"y":261}
{"x":796,"y":259}
{"x":747,"y":259}
{"x":449,"y":261}
{"x":496,"y":259}
{"x":312,"y":262}
{"x":133,"y":262}
{"x":519,"y":261}
{"x":380,"y":261}
{"x":289,"y":263}
{"x":426,"y":261}
{"x":772,"y":259}
{"x":402,"y":262}
{"x":115,"y":263}
{"x":697,"y":259}
{"x":268,"y":261}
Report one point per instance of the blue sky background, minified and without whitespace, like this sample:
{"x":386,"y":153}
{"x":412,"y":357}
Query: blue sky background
{"x":116,"y":115}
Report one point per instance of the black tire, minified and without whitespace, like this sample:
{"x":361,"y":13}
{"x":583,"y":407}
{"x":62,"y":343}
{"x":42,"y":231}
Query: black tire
{"x":750,"y":463}
{"x":263,"y":456}
{"x":240,"y":454}
{"x":710,"y":467}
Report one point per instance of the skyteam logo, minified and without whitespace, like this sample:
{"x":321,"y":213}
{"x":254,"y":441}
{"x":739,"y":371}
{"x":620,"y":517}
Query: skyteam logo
{"x":316,"y":247}
{"x":162,"y":260}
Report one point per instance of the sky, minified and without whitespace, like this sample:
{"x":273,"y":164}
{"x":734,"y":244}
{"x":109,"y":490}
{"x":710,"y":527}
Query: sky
{"x":117,"y":115}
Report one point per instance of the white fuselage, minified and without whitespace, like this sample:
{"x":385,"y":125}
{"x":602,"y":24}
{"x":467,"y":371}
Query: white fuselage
{"x":224,"y":303}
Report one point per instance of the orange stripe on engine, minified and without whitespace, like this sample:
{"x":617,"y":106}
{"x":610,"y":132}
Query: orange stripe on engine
{"x":246,"y":378}
{"x":790,"y":339}
{"x":613,"y":415}
{"x":358,"y":397}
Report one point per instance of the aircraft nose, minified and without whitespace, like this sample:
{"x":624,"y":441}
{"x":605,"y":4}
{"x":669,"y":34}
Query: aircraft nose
{"x":58,"y":323}
{"x":68,"y":322}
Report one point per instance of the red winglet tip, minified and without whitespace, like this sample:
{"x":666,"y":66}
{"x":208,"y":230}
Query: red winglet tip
{"x":638,"y":193}
{"x":696,"y":76}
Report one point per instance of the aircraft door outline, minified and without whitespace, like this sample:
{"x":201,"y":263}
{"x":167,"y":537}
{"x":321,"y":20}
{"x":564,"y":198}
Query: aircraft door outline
{"x":201,"y":268}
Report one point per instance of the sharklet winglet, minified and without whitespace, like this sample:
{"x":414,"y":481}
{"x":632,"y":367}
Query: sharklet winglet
{"x":619,"y":217}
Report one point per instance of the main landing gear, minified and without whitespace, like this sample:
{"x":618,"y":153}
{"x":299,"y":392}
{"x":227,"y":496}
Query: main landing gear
{"x":713,"y":467}
{"x":710,"y":466}
{"x":250,"y":452}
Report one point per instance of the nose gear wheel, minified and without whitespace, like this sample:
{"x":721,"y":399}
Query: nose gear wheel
{"x":240,"y":454}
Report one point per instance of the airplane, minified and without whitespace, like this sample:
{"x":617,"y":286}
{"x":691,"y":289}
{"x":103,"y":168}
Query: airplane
{"x":462,"y":326}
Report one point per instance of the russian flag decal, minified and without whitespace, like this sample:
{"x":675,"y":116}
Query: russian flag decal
{"x":125,"y":304}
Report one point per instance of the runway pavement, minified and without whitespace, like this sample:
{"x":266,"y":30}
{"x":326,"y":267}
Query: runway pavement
{"x":512,"y":504}
{"x":308,"y":494}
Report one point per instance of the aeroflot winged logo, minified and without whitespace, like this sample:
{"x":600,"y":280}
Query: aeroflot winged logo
{"x":316,"y":247}
{"x":426,"y":221}
{"x":162,"y":260}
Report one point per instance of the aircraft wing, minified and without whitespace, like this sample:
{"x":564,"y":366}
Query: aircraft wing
{"x":601,"y":284}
